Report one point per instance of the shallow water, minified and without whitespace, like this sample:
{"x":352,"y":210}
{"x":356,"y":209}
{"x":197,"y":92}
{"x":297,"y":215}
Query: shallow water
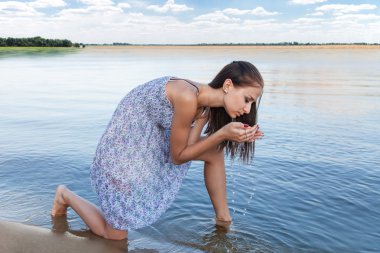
{"x":314,"y":185}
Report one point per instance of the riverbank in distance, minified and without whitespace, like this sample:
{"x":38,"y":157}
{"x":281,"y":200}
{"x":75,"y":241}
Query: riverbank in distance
{"x":256,"y":47}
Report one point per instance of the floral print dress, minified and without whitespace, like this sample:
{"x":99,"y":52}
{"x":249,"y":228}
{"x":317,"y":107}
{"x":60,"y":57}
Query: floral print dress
{"x":132,"y":172}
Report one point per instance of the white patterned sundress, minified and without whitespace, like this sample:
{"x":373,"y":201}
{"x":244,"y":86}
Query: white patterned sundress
{"x":132,"y":172}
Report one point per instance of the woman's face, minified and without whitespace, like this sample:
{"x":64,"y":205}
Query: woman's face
{"x":238,"y":100}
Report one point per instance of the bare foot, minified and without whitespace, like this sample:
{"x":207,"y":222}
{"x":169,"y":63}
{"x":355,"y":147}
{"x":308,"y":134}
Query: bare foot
{"x":59,"y":205}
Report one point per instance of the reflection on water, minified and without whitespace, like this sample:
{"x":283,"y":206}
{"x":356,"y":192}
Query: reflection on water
{"x":221,"y":239}
{"x":59,"y":225}
{"x":314,"y":183}
{"x":9,"y":52}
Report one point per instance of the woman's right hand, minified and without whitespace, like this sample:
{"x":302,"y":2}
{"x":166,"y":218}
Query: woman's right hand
{"x":239,"y":132}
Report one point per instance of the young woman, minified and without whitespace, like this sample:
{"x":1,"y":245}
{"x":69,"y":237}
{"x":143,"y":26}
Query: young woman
{"x":153,"y":136}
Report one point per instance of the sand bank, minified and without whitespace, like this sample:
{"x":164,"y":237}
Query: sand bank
{"x":16,"y":237}
{"x":235,"y":47}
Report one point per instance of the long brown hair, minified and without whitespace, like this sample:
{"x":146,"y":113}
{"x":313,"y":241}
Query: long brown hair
{"x":242,"y":74}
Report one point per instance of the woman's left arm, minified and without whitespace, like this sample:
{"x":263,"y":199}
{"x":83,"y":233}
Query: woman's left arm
{"x":196,"y":130}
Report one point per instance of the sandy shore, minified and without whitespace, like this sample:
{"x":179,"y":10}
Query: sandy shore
{"x":16,"y":237}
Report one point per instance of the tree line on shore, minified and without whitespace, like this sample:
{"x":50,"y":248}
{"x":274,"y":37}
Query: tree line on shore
{"x":42,"y":42}
{"x":37,"y":42}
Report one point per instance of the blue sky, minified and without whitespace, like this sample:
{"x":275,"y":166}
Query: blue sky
{"x":185,"y":21}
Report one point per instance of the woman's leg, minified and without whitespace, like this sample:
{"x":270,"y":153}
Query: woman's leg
{"x":90,"y":214}
{"x":215,"y":180}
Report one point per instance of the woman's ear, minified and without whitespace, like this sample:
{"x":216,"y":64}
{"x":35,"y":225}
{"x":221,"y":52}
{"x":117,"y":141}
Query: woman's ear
{"x":227,"y":85}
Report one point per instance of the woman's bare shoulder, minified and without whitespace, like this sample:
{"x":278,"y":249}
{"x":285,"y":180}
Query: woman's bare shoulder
{"x":180,"y":90}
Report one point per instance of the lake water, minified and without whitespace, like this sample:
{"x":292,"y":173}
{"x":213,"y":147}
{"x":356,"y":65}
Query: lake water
{"x":314,"y":185}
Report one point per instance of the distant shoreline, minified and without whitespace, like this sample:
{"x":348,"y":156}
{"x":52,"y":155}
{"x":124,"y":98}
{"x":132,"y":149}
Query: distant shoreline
{"x":348,"y":46}
{"x":115,"y":47}
{"x":38,"y":41}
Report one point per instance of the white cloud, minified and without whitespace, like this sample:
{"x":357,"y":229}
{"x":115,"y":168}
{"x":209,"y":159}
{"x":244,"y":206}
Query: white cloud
{"x":97,"y":2}
{"x":318,"y":13}
{"x":308,"y":20}
{"x":136,"y":14}
{"x":14,"y":6}
{"x":14,"y":9}
{"x":258,"y":22}
{"x":116,"y":26}
{"x":304,"y":2}
{"x":259,"y":11}
{"x":124,"y":5}
{"x":233,"y":11}
{"x":47,"y":3}
{"x":137,"y":3}
{"x":90,"y":11}
{"x":107,"y":22}
{"x":170,"y":5}
{"x":339,"y":9}
{"x":358,"y":17}
{"x":217,"y":16}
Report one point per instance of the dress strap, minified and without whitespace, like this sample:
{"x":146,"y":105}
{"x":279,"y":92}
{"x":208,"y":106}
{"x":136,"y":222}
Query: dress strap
{"x":174,"y":78}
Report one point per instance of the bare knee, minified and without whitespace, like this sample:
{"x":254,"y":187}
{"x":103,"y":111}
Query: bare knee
{"x":215,"y":157}
{"x":114,"y":234}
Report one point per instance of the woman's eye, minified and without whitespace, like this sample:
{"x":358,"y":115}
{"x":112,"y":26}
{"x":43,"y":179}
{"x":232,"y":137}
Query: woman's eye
{"x":249,"y":100}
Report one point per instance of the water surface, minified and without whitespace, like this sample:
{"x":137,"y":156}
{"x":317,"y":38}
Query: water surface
{"x":314,"y":185}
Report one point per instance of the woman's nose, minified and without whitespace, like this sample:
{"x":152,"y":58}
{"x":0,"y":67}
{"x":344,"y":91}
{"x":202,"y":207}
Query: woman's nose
{"x":247,"y":108}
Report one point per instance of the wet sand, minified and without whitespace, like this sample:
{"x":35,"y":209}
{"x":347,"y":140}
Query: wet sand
{"x":17,"y":237}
